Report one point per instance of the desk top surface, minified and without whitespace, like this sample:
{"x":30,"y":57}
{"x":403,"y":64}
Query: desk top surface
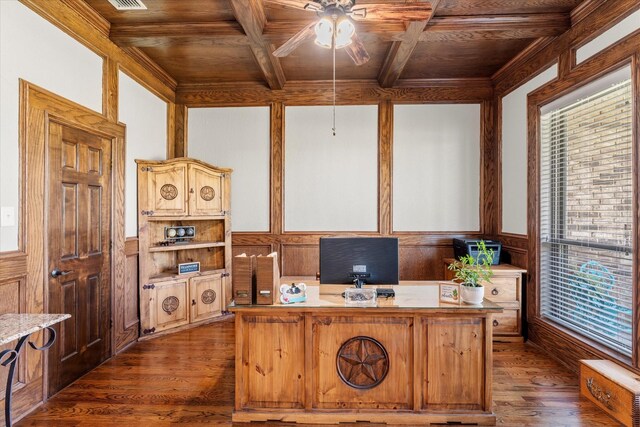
{"x":14,"y":326}
{"x":423,"y":295}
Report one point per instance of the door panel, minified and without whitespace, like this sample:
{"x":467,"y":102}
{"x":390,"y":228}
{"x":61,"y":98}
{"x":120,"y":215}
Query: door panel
{"x":79,"y":218}
{"x":205,"y":191}
{"x":168,"y":304}
{"x":206,"y":294}
{"x":167,"y":190}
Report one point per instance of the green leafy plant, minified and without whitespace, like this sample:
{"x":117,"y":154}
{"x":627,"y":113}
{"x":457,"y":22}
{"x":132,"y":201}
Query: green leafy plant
{"x":470,"y":271}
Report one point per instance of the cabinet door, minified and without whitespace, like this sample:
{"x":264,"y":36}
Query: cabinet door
{"x":168,"y":305}
{"x":167,"y":190}
{"x":205,"y":191}
{"x":206,"y":297}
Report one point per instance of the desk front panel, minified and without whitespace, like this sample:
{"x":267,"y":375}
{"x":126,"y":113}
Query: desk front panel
{"x":435,"y":364}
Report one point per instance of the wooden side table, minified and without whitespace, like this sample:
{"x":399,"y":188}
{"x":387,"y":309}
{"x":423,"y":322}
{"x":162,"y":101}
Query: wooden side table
{"x":19,"y":327}
{"x":505,"y":290}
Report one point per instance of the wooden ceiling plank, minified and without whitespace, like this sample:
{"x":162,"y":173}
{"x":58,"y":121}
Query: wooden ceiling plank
{"x":553,"y":21}
{"x":401,"y":51}
{"x":251,"y":16}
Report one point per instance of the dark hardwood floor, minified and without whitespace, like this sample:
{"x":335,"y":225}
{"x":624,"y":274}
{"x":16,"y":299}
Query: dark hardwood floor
{"x":188,"y":378}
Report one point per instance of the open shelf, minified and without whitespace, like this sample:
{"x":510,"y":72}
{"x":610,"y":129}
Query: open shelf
{"x":183,"y":246}
{"x":173,"y":274}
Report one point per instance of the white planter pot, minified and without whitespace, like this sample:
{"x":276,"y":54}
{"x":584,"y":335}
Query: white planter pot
{"x":472,"y":294}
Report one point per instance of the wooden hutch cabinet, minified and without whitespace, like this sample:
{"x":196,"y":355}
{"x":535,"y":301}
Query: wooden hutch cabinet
{"x":183,"y":217}
{"x":505,"y":290}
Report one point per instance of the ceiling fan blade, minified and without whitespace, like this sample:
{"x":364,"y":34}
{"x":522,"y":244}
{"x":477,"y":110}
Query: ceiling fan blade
{"x":417,"y":11}
{"x":300,"y":37}
{"x":296,"y":4}
{"x":356,"y":51}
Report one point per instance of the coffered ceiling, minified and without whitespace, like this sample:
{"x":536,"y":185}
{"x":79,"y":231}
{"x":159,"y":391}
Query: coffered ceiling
{"x":231,"y":41}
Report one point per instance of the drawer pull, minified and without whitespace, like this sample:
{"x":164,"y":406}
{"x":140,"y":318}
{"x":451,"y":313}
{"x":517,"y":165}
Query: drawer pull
{"x":265,"y":293}
{"x":494,"y":291}
{"x":495,"y":322}
{"x":242,"y":293}
{"x":601,"y":396}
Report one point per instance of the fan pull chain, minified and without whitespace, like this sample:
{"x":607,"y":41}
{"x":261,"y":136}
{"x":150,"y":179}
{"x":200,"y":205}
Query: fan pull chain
{"x":333,"y":47}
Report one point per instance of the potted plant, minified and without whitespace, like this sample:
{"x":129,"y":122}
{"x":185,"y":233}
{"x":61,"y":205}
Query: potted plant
{"x":471,"y":272}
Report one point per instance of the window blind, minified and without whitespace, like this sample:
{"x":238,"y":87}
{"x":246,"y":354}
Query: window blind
{"x":586,"y":215}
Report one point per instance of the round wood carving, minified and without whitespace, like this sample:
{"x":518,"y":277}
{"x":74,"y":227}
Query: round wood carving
{"x":207,"y":193}
{"x":208,"y":296}
{"x":170,"y":304}
{"x":362,"y":362}
{"x":168,"y":191}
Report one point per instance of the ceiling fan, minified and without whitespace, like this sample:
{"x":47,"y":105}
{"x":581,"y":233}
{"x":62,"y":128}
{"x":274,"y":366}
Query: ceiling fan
{"x":335,"y":27}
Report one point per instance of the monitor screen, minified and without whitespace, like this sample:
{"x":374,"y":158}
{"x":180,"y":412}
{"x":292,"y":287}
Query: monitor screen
{"x":374,"y":259}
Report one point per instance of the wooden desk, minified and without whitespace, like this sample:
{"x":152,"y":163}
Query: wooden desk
{"x":505,"y":290}
{"x":410,"y":360}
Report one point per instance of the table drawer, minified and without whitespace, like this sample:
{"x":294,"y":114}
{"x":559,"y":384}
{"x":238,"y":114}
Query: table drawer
{"x":506,"y":322}
{"x":501,"y":289}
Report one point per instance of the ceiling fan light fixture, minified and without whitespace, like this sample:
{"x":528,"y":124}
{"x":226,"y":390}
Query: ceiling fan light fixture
{"x":344,"y":32}
{"x":324,"y":32}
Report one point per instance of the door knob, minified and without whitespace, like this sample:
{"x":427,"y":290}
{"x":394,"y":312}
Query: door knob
{"x":56,"y":272}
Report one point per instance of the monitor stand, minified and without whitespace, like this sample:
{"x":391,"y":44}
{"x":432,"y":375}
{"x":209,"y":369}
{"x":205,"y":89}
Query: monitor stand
{"x":358,"y":278}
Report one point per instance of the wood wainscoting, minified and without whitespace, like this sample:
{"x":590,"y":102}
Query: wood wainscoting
{"x":125,"y":312}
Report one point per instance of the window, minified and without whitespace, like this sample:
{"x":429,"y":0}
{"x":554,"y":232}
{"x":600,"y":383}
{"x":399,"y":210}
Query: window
{"x":586,"y":211}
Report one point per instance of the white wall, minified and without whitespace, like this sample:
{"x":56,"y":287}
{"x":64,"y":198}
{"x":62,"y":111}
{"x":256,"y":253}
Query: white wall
{"x":514,"y":153}
{"x":35,"y":50}
{"x":331,"y":182}
{"x":622,"y":29}
{"x":238,"y":138}
{"x":436,"y":167}
{"x":146,"y":138}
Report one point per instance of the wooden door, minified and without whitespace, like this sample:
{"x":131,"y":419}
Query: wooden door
{"x":206,"y":294}
{"x":79,"y":224}
{"x":166,"y":190}
{"x":205,"y":191}
{"x":168,"y":305}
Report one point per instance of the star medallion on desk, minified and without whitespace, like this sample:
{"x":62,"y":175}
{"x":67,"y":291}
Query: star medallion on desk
{"x":362,"y":362}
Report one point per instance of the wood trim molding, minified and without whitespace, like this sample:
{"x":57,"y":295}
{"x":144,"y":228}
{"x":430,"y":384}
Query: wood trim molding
{"x":177,"y":128}
{"x":519,"y":70}
{"x":71,"y":17}
{"x":319,"y":93}
{"x":385,"y":166}
{"x":636,"y":204}
{"x":131,"y":246}
{"x":489,"y":154}
{"x":110,"y":89}
{"x":251,"y":16}
{"x":277,"y":168}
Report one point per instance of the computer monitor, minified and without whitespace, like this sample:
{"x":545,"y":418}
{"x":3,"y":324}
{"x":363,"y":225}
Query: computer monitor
{"x":370,"y":260}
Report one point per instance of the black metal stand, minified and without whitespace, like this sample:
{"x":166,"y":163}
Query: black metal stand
{"x":11,"y":361}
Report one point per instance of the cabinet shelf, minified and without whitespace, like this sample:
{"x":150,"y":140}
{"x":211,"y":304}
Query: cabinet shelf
{"x":173,"y":274}
{"x":183,"y":246}
{"x":186,"y":218}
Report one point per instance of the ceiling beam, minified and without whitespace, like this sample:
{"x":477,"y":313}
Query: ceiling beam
{"x":446,"y":28}
{"x":493,"y":27}
{"x":401,"y":50}
{"x":251,"y":16}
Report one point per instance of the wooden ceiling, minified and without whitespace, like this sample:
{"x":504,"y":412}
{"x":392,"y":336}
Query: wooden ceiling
{"x":231,"y":41}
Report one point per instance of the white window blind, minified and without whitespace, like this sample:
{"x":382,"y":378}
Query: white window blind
{"x":586,"y":195}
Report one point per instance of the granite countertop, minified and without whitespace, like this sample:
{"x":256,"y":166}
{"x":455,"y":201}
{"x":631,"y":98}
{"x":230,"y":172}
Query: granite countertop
{"x":14,"y":326}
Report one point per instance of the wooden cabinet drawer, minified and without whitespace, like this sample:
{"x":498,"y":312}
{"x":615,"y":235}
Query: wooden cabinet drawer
{"x":501,"y":289}
{"x":506,"y":322}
